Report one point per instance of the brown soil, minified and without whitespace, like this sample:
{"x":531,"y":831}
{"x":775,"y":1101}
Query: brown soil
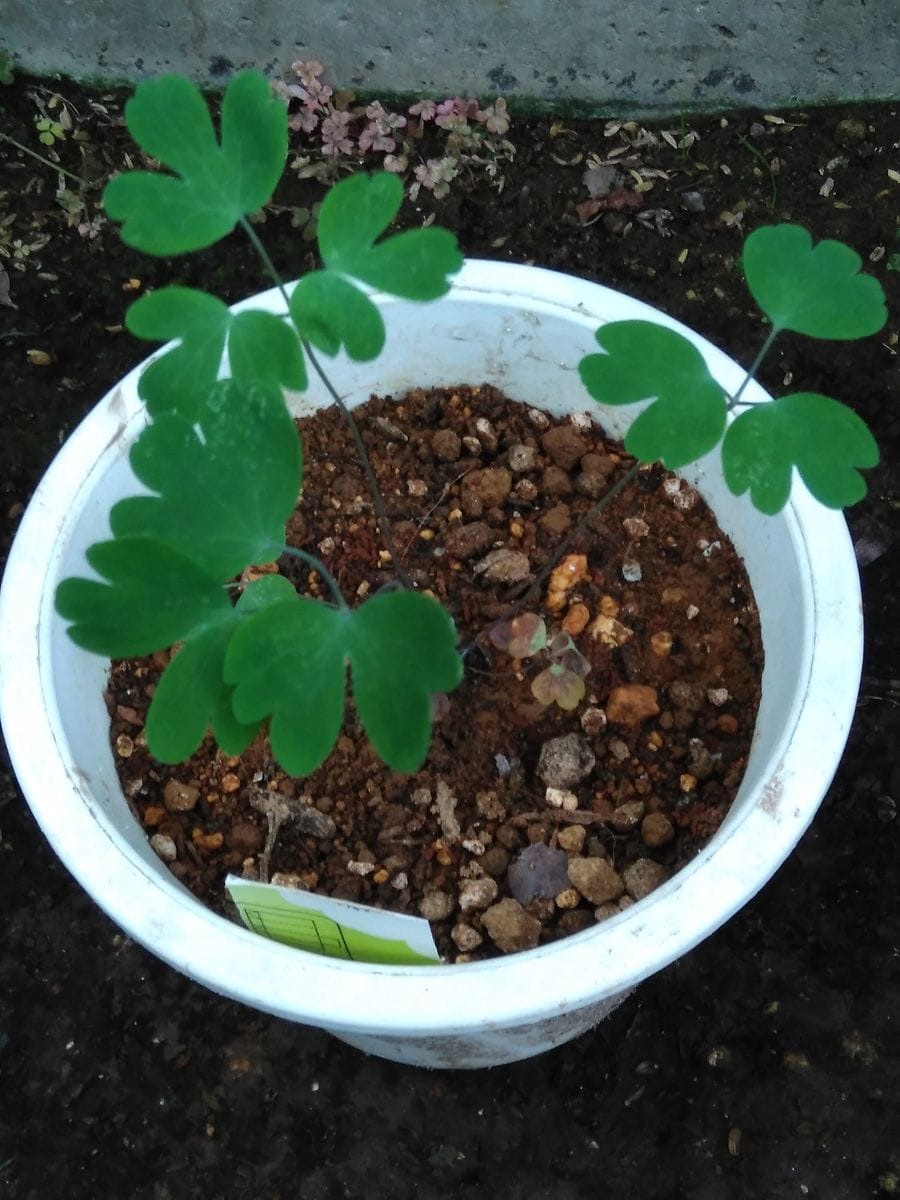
{"x":481,"y":494}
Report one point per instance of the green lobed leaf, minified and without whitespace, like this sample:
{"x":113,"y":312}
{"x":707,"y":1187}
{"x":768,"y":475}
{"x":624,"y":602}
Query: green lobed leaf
{"x":181,"y":379}
{"x":814,"y":290}
{"x":224,"y":492}
{"x":825,"y":440}
{"x":154,"y":596}
{"x":415,"y":264}
{"x":331,"y":312}
{"x":646,"y":361}
{"x":290,"y":663}
{"x":192,"y":695}
{"x":212,"y":185}
{"x":263,"y":350}
{"x":403,"y":649}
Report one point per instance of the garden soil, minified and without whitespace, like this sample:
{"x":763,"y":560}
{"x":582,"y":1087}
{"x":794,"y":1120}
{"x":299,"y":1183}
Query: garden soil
{"x":764,"y":1064}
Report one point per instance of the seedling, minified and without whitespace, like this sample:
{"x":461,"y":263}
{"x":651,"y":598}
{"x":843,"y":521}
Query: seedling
{"x":562,"y":680}
{"x":168,"y":572}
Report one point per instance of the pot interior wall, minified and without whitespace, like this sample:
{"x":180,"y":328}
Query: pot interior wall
{"x":471,"y":337}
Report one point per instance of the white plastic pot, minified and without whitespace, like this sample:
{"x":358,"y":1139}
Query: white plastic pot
{"x":525,"y":330}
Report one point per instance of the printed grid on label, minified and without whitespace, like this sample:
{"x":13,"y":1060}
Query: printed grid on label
{"x":316,"y":933}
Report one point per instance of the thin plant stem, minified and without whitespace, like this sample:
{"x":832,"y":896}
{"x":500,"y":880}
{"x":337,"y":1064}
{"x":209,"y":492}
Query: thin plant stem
{"x":320,"y":568}
{"x":46,"y":161}
{"x":735,"y":400}
{"x":377,"y":498}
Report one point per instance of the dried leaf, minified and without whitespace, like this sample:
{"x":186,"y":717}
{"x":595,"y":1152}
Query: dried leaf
{"x":4,"y":289}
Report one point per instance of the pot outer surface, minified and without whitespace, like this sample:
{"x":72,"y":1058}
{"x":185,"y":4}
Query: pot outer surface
{"x":765,"y":1060}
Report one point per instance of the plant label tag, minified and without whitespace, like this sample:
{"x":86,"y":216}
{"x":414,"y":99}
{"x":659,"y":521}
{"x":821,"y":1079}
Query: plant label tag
{"x":337,"y":928}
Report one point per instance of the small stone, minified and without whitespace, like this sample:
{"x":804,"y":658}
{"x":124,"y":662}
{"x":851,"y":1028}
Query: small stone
{"x":360,"y":868}
{"x":504,"y":566}
{"x":538,"y":419}
{"x":561,"y":798}
{"x":604,"y":911}
{"x":661,"y":644}
{"x":567,"y":575}
{"x":494,"y":861}
{"x":619,"y":750}
{"x":246,"y":837}
{"x":565,"y":446}
{"x":466,"y":938}
{"x":717,"y":696}
{"x":526,"y":491}
{"x":627,"y":816}
{"x":164,"y":847}
{"x":643,"y":876}
{"x":583,"y":421}
{"x":124,"y":746}
{"x":153,"y":815}
{"x":571,"y":839}
{"x":400,"y":881}
{"x":727,"y":723}
{"x":539,"y":872}
{"x":510,"y":927}
{"x":230,"y":782}
{"x":468,"y":540}
{"x":446,"y":445}
{"x":565,"y":761}
{"x":207,"y":841}
{"x":568,"y":898}
{"x":417,"y":487}
{"x":436,"y":906}
{"x":576,"y":619}
{"x":657,"y":830}
{"x":593,"y":721}
{"x":486,"y":488}
{"x":486,"y":434}
{"x":556,"y":520}
{"x":636,"y":527}
{"x":687,"y":782}
{"x":311,"y":821}
{"x":556,"y":482}
{"x":489,"y":806}
{"x":522,"y":458}
{"x":610,"y":632}
{"x":476,"y":894}
{"x":631,"y":703}
{"x":472,"y":445}
{"x":632,"y":572}
{"x":180,"y":797}
{"x":596,"y":879}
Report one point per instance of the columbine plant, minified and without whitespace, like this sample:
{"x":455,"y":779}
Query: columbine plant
{"x":168,"y":572}
{"x":562,"y":680}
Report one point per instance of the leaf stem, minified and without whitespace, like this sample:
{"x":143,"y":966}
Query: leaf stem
{"x":320,"y":568}
{"x":46,"y":161}
{"x":757,"y":362}
{"x":377,"y":498}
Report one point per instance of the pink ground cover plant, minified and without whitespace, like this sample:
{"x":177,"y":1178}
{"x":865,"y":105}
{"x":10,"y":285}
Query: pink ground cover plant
{"x":430,"y":145}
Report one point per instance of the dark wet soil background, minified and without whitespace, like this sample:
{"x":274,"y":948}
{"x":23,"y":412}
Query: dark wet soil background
{"x":764,"y":1064}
